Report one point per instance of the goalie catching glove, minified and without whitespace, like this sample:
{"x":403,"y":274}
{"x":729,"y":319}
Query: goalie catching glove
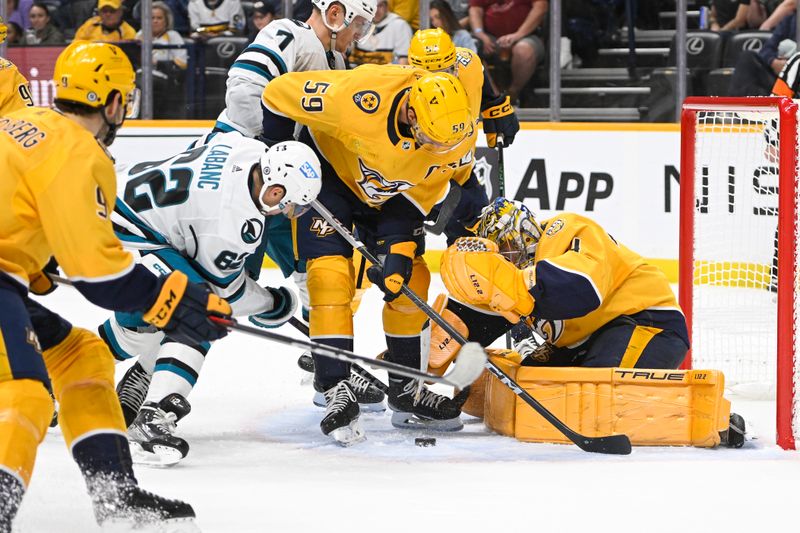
{"x":500,"y":120}
{"x":475,"y":273}
{"x":182,"y":310}
{"x":284,"y":305}
{"x":396,"y":271}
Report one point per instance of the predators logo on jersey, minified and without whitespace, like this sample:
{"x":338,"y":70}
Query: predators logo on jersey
{"x":321,"y":227}
{"x":377,"y":188}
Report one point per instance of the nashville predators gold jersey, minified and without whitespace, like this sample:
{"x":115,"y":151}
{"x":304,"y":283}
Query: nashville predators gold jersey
{"x":584,"y":279}
{"x":354,"y":119}
{"x":470,"y":73}
{"x":14,"y":90}
{"x":57,"y":191}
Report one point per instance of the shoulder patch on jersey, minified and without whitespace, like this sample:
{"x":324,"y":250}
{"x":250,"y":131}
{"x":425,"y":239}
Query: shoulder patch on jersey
{"x":251,"y":230}
{"x":555,"y":227}
{"x":367,"y":101}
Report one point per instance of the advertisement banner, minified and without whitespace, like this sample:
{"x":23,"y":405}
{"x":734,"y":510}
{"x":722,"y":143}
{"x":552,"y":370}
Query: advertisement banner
{"x":36,"y":63}
{"x":623,"y":176}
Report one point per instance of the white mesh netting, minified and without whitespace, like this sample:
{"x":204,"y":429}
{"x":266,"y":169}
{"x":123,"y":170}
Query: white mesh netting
{"x":734,"y":323}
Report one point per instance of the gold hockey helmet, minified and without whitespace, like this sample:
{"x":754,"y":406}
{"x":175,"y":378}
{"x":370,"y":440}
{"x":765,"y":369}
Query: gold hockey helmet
{"x":433,"y":50}
{"x":443,"y":117}
{"x":88,"y":73}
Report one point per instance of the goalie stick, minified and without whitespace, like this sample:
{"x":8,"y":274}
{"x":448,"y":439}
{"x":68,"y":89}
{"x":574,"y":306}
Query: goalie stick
{"x":361,"y":371}
{"x":501,"y":191}
{"x":612,"y":444}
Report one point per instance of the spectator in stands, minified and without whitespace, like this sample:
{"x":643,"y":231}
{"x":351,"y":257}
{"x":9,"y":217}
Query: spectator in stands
{"x":73,"y":13}
{"x":442,"y":16}
{"x":263,"y":14}
{"x":108,"y":26}
{"x":301,"y":9}
{"x":13,"y":33}
{"x":211,"y":18}
{"x":388,"y":43}
{"x":728,"y":15}
{"x":42,"y":30}
{"x":509,"y":27}
{"x":18,"y":10}
{"x":756,"y":72}
{"x":180,"y":15}
{"x":771,"y":17}
{"x":164,"y":34}
{"x":408,"y":11}
{"x":461,"y":11}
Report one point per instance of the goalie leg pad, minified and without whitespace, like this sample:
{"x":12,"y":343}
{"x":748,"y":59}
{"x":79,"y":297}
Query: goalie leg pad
{"x":444,"y":347}
{"x":654,"y":407}
{"x":82,"y":370}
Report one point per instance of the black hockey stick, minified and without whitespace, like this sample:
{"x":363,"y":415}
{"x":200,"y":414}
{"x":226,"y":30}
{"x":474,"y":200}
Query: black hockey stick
{"x":449,"y":205}
{"x":501,"y":191}
{"x":364,"y":373}
{"x":612,"y":444}
{"x":461,"y":376}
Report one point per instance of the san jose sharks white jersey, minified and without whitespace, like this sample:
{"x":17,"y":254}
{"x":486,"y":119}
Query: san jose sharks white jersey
{"x":198,"y":202}
{"x":283,"y":46}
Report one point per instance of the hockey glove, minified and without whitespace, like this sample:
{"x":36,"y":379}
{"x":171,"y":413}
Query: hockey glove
{"x":41,"y":283}
{"x":476,"y":274}
{"x":284,"y":306}
{"x":396,"y":271}
{"x":499,"y":119}
{"x":182,"y":310}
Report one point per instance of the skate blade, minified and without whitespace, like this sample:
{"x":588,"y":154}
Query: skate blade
{"x":160,"y":457}
{"x":411,"y":421}
{"x":349,"y":435}
{"x":174,"y":525}
{"x":306,"y":378}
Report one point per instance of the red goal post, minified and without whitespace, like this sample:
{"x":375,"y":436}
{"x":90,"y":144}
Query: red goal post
{"x":737,"y":154}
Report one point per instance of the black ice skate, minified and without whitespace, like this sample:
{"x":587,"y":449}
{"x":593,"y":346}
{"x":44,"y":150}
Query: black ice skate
{"x":151,"y":434}
{"x":341,"y":415}
{"x":125,"y":506}
{"x":132,"y":390}
{"x":370,"y":399}
{"x":432,"y":411}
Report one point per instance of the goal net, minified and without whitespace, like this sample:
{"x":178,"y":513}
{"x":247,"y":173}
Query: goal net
{"x":738,"y":240}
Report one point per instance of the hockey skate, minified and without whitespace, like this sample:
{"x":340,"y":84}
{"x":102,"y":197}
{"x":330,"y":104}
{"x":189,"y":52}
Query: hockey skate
{"x":126,"y":507}
{"x":432,"y":411}
{"x":341,"y":415}
{"x":306,"y":364}
{"x":151,"y":435}
{"x":370,"y":399}
{"x":132,"y":390}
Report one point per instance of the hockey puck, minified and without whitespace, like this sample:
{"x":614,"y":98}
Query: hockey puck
{"x":425,"y":441}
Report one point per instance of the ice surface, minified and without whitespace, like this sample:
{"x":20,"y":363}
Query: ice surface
{"x":258,"y":462}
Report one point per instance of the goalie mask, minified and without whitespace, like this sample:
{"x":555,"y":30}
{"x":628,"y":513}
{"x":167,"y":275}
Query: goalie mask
{"x":513,"y":228}
{"x":295,"y":167}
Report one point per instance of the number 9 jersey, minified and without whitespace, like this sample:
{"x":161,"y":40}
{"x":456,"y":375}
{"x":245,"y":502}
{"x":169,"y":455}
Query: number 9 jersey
{"x":14,"y":90}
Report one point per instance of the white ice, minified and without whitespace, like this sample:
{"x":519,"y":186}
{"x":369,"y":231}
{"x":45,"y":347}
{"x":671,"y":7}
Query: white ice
{"x":258,"y":462}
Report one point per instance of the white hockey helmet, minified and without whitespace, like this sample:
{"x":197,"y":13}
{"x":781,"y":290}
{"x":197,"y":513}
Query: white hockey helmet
{"x":295,"y":167}
{"x":365,"y":9}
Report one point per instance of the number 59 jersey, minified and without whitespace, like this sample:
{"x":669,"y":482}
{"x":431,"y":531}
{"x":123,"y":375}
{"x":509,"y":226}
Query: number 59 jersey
{"x":198,"y":202}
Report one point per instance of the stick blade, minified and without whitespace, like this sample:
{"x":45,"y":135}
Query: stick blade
{"x":612,"y":444}
{"x":469,"y":365}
